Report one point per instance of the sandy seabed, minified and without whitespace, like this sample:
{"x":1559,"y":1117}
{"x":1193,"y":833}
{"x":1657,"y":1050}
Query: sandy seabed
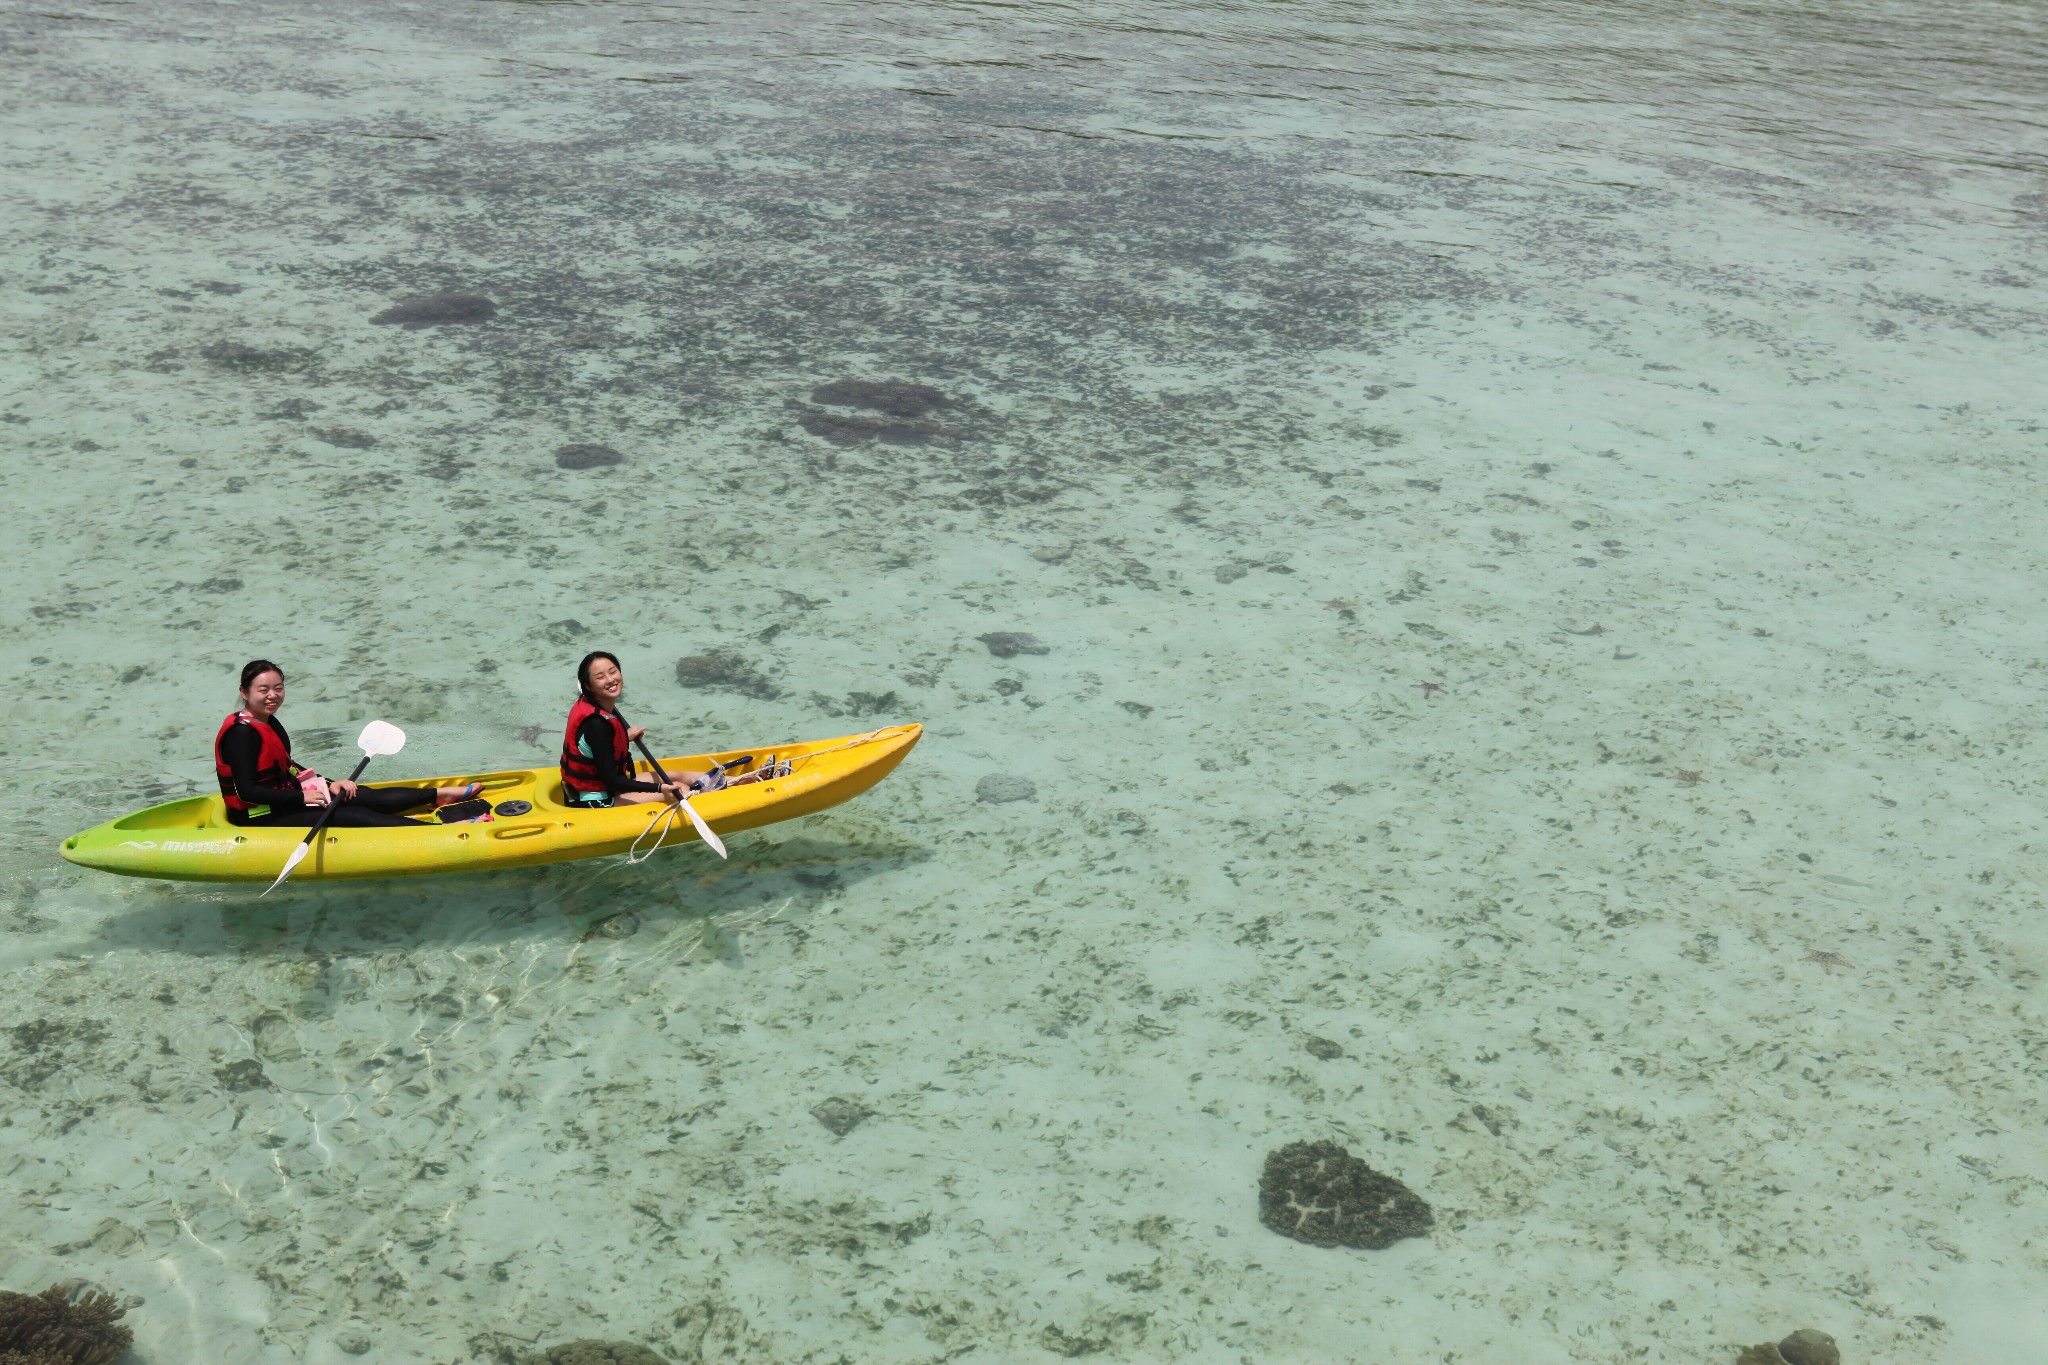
{"x":1539,"y":681}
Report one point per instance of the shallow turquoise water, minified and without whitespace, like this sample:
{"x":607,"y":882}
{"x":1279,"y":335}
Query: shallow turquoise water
{"x":1659,"y":383}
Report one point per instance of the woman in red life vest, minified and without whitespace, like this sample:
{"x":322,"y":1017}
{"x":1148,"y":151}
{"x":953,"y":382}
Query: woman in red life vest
{"x":261,"y":784}
{"x":597,"y":753}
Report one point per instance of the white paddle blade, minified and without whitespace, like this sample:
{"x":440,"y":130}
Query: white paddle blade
{"x":298,"y":855}
{"x":704,"y":831}
{"x":379,"y":738}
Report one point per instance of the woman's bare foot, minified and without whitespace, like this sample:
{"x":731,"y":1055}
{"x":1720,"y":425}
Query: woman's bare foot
{"x":448,"y":796}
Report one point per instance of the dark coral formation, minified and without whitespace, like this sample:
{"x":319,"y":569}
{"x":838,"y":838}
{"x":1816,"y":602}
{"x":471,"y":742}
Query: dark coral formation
{"x":841,"y":1115}
{"x":895,"y":398}
{"x":857,"y":703}
{"x":592,"y":1352}
{"x":1810,"y":1347}
{"x":62,"y":1326}
{"x":346,"y":438}
{"x":723,"y":670}
{"x":998,"y":788}
{"x":1804,"y":1347}
{"x":246,"y":1074}
{"x":844,"y":430}
{"x":1008,"y":644}
{"x":238,"y":355}
{"x":44,"y":1048}
{"x":437,"y":310}
{"x":1317,"y":1192}
{"x":587,"y":456}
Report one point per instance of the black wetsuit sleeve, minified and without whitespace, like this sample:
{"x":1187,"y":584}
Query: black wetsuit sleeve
{"x":596,"y":734}
{"x":240,"y":747}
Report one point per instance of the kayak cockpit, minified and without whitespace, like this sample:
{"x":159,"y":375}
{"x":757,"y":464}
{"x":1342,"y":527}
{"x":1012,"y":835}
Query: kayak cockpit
{"x":193,"y":812}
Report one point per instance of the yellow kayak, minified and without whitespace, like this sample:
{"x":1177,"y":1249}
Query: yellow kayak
{"x":191,"y":839}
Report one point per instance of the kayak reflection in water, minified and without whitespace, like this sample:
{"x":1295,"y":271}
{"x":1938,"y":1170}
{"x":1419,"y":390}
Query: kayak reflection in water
{"x":597,"y":753}
{"x":261,"y":784}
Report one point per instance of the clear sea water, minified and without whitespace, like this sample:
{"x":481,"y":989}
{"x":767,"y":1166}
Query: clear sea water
{"x":1659,"y":383}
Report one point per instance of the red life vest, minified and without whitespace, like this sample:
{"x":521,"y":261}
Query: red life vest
{"x":579,"y":774}
{"x":274,"y":766}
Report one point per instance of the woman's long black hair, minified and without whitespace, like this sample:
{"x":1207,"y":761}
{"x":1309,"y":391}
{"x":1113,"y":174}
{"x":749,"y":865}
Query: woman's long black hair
{"x":256,"y":668}
{"x":583,"y":671}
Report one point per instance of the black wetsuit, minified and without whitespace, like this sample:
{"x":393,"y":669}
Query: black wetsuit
{"x":371,"y":806}
{"x":595,"y":734}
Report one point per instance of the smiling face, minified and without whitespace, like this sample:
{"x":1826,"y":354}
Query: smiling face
{"x":607,"y":684}
{"x":264,"y":694}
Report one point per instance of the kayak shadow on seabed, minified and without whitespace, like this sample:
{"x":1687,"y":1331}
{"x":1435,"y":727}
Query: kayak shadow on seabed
{"x":608,"y":899}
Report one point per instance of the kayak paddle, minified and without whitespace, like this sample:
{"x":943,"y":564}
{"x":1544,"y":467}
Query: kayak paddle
{"x":378,"y":737}
{"x":703,"y":830}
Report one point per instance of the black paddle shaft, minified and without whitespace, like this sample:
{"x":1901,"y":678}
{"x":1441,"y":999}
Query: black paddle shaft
{"x":332,"y":802}
{"x":647,"y":754}
{"x":655,"y":763}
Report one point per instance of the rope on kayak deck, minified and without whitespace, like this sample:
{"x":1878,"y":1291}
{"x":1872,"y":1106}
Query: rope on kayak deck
{"x":665,"y":814}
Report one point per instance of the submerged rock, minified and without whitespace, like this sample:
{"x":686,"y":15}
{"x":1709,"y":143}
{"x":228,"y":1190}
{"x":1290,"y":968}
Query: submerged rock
{"x":1810,"y":1347}
{"x":725,"y":670}
{"x":894,"y":397}
{"x":246,"y":1074}
{"x":844,"y":430}
{"x":841,"y":1115}
{"x":1317,"y":1192}
{"x":437,"y":310}
{"x":1008,"y":644}
{"x":587,"y":456}
{"x":344,"y":438}
{"x":1804,"y":1347}
{"x":1001,"y":787}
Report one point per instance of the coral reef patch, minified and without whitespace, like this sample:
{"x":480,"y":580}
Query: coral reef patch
{"x":437,"y":310}
{"x":843,"y":429}
{"x":895,"y":398}
{"x":240,"y":355}
{"x":724,"y":670}
{"x":344,"y":438}
{"x":841,"y":1115}
{"x":63,"y":1326}
{"x":246,"y":1074}
{"x":998,"y":788}
{"x":586,"y":456}
{"x":1806,"y":1346}
{"x":1008,"y":644}
{"x":1317,"y":1192}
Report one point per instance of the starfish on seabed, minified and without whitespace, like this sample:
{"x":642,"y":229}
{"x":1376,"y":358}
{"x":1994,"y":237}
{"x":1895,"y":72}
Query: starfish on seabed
{"x":530,"y":734}
{"x":1828,"y":961}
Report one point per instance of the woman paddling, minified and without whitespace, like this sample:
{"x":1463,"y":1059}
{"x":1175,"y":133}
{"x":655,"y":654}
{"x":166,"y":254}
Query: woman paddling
{"x":261,"y":784}
{"x":597,"y":753}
